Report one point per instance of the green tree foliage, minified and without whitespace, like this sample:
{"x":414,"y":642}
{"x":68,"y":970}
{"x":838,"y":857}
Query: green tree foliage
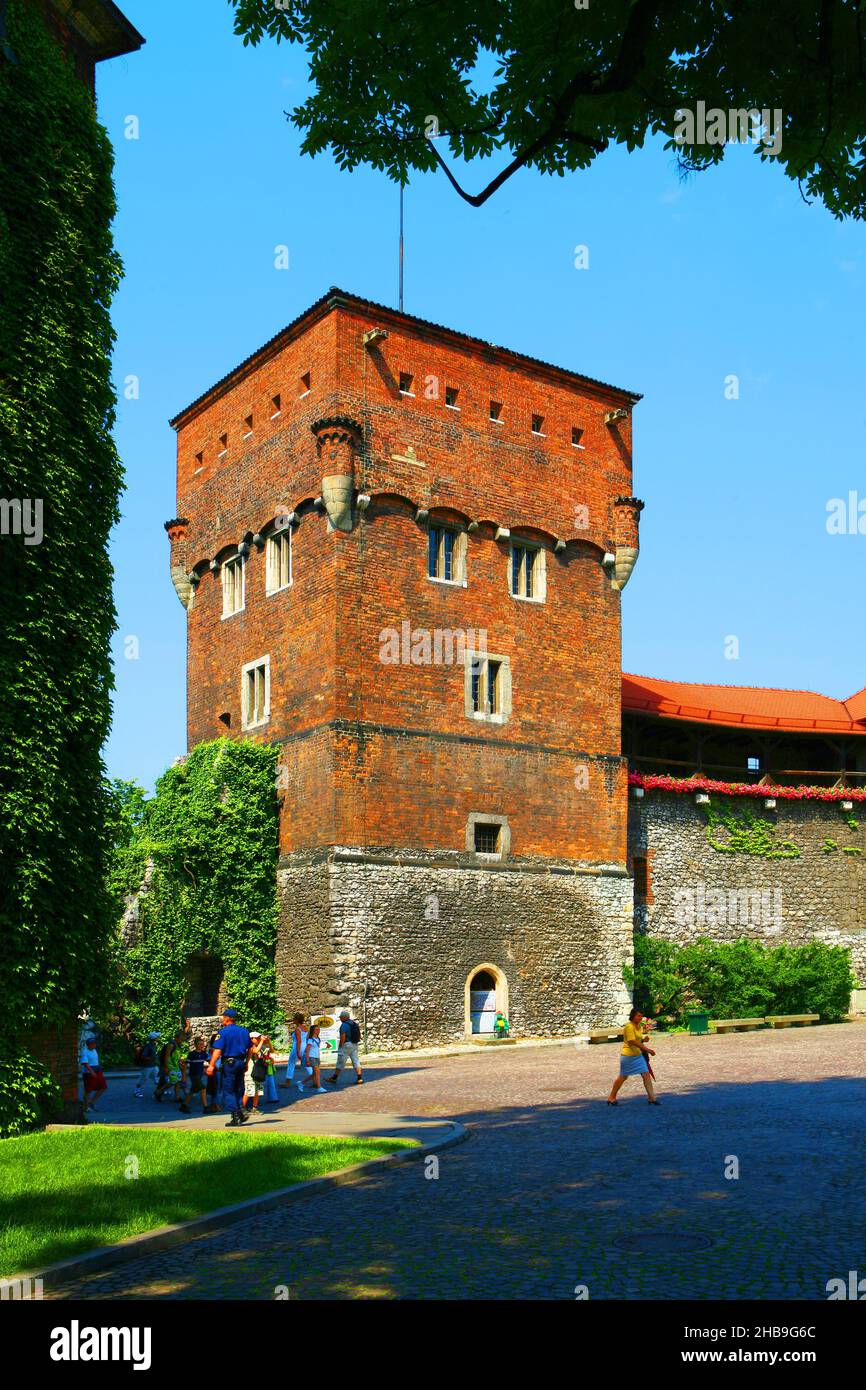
{"x":741,"y":979}
{"x":554,"y":83}
{"x":211,"y":836}
{"x":58,"y":272}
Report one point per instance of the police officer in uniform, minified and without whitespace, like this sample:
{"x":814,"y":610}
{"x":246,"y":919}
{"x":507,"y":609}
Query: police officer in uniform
{"x":232,"y":1044}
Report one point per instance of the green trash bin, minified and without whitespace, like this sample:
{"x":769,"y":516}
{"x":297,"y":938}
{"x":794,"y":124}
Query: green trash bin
{"x":698,"y":1021}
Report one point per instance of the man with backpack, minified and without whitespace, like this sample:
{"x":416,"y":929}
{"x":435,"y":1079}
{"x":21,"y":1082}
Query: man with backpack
{"x":350,"y":1037}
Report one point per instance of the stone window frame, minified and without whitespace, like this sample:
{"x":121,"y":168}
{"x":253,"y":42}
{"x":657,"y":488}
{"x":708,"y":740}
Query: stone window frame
{"x":270,"y":587}
{"x":480,"y":716}
{"x":246,"y":671}
{"x":234,"y":561}
{"x":458,"y":555}
{"x":539,"y":571}
{"x":488,"y":818}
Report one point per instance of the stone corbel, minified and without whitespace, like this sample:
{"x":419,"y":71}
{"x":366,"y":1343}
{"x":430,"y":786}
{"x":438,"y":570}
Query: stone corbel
{"x":626,"y":513}
{"x":338,"y":440}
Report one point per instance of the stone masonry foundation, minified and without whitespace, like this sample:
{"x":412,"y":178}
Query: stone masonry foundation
{"x":397,"y":939}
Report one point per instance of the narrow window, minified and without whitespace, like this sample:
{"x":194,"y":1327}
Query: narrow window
{"x":256,"y":692}
{"x":451,"y":394}
{"x":275,"y":406}
{"x":538,"y":424}
{"x":496,"y":411}
{"x":576,"y":437}
{"x":441,"y":553}
{"x":486,"y":691}
{"x":199,"y":461}
{"x":248,"y":426}
{"x":233,"y":585}
{"x":279,"y":561}
{"x":487,"y":837}
{"x":406,"y":380}
{"x":527,"y":571}
{"x":224,"y":445}
{"x":494,"y":687}
{"x":305,"y":384}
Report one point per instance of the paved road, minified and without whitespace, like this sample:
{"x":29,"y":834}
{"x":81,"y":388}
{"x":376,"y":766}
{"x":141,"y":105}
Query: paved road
{"x":555,"y":1190}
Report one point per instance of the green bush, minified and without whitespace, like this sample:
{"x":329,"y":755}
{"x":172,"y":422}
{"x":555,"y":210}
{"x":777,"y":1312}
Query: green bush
{"x":29,"y":1096}
{"x":741,"y":979}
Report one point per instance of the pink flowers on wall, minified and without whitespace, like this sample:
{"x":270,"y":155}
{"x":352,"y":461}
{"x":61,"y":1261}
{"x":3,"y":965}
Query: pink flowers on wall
{"x":663,"y":782}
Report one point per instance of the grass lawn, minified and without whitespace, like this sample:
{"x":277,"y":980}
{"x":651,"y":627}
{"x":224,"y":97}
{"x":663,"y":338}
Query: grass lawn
{"x":73,"y":1190}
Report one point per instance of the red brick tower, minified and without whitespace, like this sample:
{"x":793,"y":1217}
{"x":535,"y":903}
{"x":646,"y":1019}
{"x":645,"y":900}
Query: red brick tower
{"x":401,"y":552}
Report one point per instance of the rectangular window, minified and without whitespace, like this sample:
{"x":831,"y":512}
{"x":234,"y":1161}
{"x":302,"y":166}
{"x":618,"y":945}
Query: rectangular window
{"x":199,"y":461}
{"x":406,"y":380}
{"x":275,"y":406}
{"x":305,"y":384}
{"x":487,"y":687}
{"x":496,"y":411}
{"x":279,"y":562}
{"x":451,"y":394}
{"x":441,"y":553}
{"x":256,"y":692}
{"x":233,"y":586}
{"x":487,"y":837}
{"x":248,"y":426}
{"x":576,"y":437}
{"x":753,"y":764}
{"x":224,"y":445}
{"x":527,"y":572}
{"x":538,"y":424}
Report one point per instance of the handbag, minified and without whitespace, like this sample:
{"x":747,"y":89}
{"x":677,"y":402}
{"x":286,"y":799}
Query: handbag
{"x":259,"y":1070}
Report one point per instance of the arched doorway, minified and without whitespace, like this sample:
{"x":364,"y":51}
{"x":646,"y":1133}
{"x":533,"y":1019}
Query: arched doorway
{"x":204,"y":974}
{"x":486,"y":994}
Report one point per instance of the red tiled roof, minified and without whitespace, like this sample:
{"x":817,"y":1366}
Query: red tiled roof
{"x":745,"y":706}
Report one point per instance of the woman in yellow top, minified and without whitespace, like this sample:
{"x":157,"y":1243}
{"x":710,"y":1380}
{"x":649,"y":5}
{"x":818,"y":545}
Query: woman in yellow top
{"x":634,"y":1059}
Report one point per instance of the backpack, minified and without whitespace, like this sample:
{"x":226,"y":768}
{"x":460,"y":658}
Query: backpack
{"x":354,"y":1031}
{"x":259,"y":1070}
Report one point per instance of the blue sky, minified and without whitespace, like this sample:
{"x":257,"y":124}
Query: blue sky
{"x":730,"y":273}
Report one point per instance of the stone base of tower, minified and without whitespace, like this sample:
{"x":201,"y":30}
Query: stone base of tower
{"x":399,"y":940}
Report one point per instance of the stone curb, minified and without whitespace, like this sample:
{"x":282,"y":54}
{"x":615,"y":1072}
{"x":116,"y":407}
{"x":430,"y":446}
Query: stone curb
{"x":164,"y":1237}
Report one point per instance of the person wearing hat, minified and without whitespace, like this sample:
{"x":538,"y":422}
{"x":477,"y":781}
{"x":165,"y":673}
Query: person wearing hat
{"x":146,"y":1059}
{"x":255,"y":1076}
{"x":232,"y":1047}
{"x":92,"y":1078}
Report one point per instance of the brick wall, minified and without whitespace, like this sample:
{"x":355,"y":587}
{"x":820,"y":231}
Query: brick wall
{"x":381,"y":753}
{"x":57,"y":1048}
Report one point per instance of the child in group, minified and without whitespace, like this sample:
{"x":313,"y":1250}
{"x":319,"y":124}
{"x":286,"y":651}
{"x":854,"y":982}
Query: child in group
{"x":266,"y":1052}
{"x":196,"y":1062}
{"x":145,"y":1060}
{"x":175,"y":1067}
{"x":213,"y":1082}
{"x":254,"y":1078}
{"x":313,"y":1060}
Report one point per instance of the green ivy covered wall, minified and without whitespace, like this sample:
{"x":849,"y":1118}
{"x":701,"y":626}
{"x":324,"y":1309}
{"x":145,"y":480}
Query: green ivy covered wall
{"x":60,"y":478}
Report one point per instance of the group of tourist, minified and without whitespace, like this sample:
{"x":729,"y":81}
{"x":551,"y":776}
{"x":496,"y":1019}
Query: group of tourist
{"x":236,"y":1069}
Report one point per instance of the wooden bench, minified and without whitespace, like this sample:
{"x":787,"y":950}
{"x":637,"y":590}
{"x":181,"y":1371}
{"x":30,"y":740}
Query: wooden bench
{"x":600,"y":1035}
{"x":791,"y":1020}
{"x":738,"y":1025}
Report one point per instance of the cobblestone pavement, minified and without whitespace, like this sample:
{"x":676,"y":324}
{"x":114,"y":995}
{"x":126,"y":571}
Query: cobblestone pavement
{"x":554,"y":1189}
